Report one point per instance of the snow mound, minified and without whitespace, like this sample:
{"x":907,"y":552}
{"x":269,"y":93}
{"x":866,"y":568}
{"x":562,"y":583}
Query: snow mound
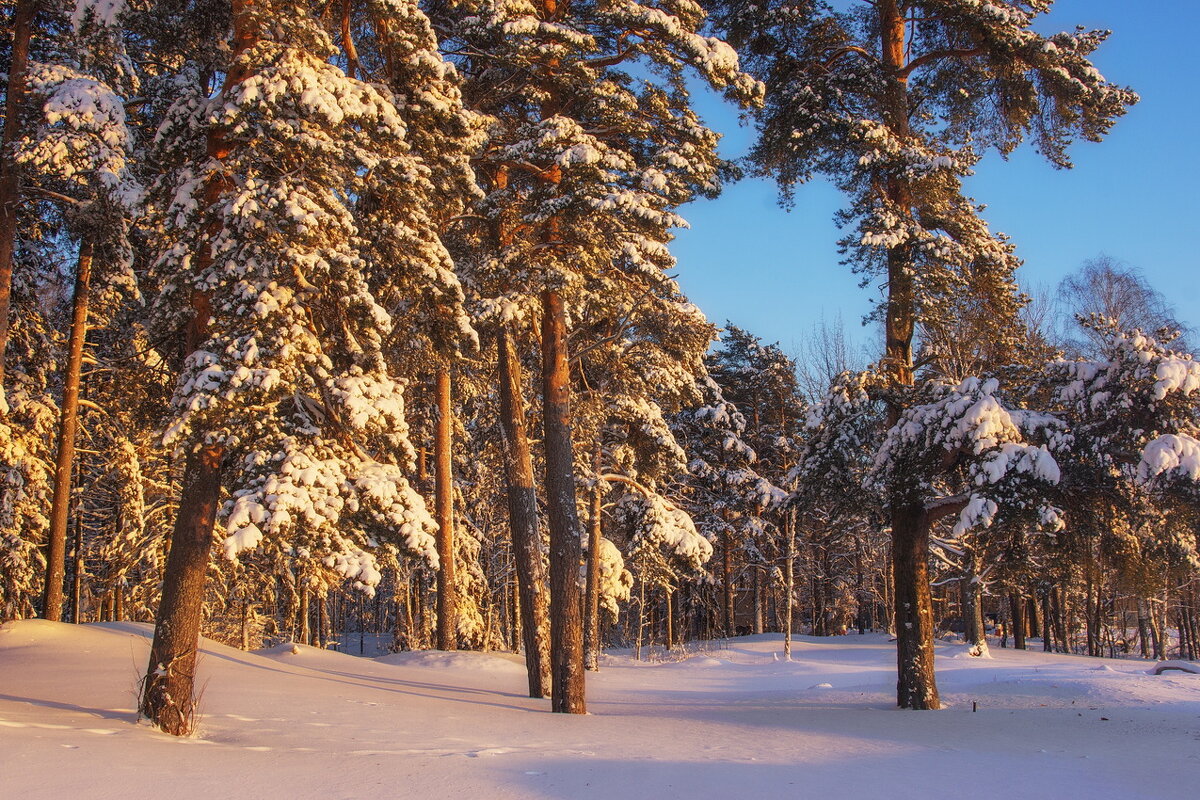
{"x":438,"y":659}
{"x":1190,"y":667}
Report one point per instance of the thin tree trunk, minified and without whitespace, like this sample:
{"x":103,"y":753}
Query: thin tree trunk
{"x":68,"y":425}
{"x":789,"y":563}
{"x":447,"y":606}
{"x":523,"y":520}
{"x":323,"y":620}
{"x":727,"y":579}
{"x":10,"y":184}
{"x":78,"y":566}
{"x":592,"y":603}
{"x":566,"y":624}
{"x":669,"y":633}
{"x":758,"y":600}
{"x":1047,"y":632}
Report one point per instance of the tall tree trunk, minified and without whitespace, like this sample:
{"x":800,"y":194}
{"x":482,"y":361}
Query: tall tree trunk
{"x":789,"y":565}
{"x":592,"y":601}
{"x":727,"y":579}
{"x":566,"y":624}
{"x":758,"y":599}
{"x":447,"y":605}
{"x":68,"y":425}
{"x":669,"y":616}
{"x":523,"y":520}
{"x":10,"y":184}
{"x":915,"y":685}
{"x":167,"y":699}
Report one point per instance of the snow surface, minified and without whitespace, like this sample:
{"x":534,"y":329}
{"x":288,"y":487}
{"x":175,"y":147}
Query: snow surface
{"x":733,"y":721}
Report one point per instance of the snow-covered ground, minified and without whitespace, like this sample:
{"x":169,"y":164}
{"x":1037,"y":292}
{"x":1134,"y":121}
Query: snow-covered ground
{"x":733,"y":722}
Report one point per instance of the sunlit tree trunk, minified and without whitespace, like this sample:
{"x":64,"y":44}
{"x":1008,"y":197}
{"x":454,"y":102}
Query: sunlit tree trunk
{"x":167,"y":691}
{"x":447,"y":606}
{"x":68,"y":425}
{"x":566,"y":624}
{"x":10,"y":186}
{"x":533,"y":599}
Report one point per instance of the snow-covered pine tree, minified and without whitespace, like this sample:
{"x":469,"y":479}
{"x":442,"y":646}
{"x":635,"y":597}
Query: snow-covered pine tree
{"x":589,"y":163}
{"x":77,"y":154}
{"x":1134,"y":461}
{"x":638,"y":366}
{"x":398,"y":47}
{"x":285,"y":395}
{"x":728,"y":494}
{"x":761,"y":381}
{"x":895,"y":101}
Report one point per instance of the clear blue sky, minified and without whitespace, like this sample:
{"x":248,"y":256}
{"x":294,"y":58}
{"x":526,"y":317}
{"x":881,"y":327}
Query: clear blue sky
{"x":1131,"y":197}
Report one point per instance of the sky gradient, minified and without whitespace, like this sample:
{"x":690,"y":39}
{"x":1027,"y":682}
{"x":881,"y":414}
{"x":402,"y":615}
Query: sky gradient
{"x":1131,"y":197}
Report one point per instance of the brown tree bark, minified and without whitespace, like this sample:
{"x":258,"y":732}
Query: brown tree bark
{"x":523,"y":521}
{"x":68,"y":425}
{"x":915,"y":684}
{"x":566,"y":624}
{"x":975,"y":632}
{"x":167,"y":690}
{"x":447,"y":602}
{"x":1019,"y":621}
{"x":592,"y":600}
{"x":10,"y":179}
{"x":727,"y":579}
{"x":167,"y":699}
{"x":789,"y":566}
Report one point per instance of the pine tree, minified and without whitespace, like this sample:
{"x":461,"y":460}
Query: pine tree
{"x":286,"y":396}
{"x":585,"y":165}
{"x":895,"y":101}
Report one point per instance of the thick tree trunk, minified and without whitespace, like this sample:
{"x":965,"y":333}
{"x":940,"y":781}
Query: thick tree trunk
{"x":592,"y":601}
{"x":566,"y":624}
{"x":167,"y":690}
{"x":915,"y":686}
{"x":10,"y":185}
{"x":167,"y":699}
{"x":68,"y":425}
{"x":447,"y":605}
{"x":523,"y":521}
